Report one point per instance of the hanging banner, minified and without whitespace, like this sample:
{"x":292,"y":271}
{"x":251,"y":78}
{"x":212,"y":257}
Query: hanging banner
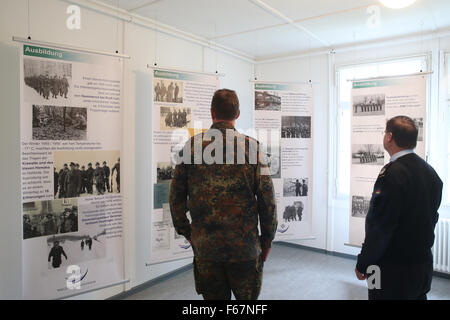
{"x":181,"y":109}
{"x":283,"y":121}
{"x":71,"y":140}
{"x":373,"y":103}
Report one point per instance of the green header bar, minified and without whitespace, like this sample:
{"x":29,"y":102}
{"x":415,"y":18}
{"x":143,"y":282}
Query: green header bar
{"x":373,"y":84}
{"x":45,"y":53}
{"x":165,"y":74}
{"x":270,"y":86}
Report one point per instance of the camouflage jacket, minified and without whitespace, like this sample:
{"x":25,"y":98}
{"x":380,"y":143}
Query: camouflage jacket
{"x":224,"y":200}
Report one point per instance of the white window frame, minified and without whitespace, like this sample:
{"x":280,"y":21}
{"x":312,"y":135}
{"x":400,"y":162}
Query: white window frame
{"x":446,"y":119}
{"x":335,"y":109}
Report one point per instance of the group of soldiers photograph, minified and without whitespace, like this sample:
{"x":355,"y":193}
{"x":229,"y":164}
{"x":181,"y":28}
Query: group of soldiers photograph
{"x":73,"y":182}
{"x":360,"y":206}
{"x":46,"y":85}
{"x":176,"y":119}
{"x":293,"y":212}
{"x":296,"y":127}
{"x":50,"y":223}
{"x":368,"y":105}
{"x":165,"y":173}
{"x":297,"y":188}
{"x":169,"y":94}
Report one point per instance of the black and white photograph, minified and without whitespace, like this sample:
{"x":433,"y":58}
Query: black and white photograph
{"x":47,"y":80}
{"x":273,"y":156}
{"x":267,"y":101}
{"x":168,"y":91}
{"x":172,"y":118}
{"x":295,"y":187}
{"x":419,"y":124}
{"x":161,"y":236}
{"x":370,"y":105}
{"x":295,"y":127}
{"x":59,"y":123}
{"x":66,"y":250}
{"x":49,"y":217}
{"x":164,"y":172}
{"x":294,"y":211}
{"x":360,"y":206}
{"x":86,"y":173}
{"x":368,"y":154}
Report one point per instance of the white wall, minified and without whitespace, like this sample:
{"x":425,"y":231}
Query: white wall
{"x":316,"y":70}
{"x":98,"y":32}
{"x":330,"y":218}
{"x":330,"y":221}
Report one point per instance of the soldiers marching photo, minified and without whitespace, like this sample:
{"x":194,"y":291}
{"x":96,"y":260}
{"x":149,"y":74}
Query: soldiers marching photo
{"x":48,"y":80}
{"x":295,"y":127}
{"x":94,"y":173}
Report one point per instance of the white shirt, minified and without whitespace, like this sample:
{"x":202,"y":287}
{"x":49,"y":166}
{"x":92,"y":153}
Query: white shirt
{"x":399,"y":154}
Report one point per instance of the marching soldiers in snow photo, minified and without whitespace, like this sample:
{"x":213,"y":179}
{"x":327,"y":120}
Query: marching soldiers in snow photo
{"x":46,"y":84}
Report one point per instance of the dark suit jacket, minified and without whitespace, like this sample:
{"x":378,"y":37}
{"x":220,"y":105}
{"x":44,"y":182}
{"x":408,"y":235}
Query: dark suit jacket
{"x":402,"y":215}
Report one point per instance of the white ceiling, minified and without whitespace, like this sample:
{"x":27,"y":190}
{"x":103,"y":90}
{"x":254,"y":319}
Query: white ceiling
{"x":273,"y":28}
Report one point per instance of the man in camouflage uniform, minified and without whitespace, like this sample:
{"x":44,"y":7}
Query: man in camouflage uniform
{"x":225,"y":202}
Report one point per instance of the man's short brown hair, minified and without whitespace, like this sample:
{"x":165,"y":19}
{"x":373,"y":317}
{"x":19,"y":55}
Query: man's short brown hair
{"x":225,"y":104}
{"x":404,"y":131}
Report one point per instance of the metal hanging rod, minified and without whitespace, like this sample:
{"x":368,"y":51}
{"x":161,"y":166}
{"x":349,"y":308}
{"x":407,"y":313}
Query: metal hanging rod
{"x":63,"y":46}
{"x":392,"y":77}
{"x":178,"y":70}
{"x":286,"y":82}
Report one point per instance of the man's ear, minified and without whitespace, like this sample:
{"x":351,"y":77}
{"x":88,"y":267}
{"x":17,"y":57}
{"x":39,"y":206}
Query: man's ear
{"x":239,"y":113}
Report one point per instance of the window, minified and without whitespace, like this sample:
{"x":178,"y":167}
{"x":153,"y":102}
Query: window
{"x":343,"y":95}
{"x":447,"y":164}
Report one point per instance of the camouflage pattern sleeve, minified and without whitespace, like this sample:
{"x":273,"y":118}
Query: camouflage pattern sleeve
{"x":267,"y":208}
{"x":178,"y":201}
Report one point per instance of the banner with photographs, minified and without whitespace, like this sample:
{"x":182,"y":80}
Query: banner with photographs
{"x":181,"y":108}
{"x":71,"y":141}
{"x":373,"y":103}
{"x":283,"y":118}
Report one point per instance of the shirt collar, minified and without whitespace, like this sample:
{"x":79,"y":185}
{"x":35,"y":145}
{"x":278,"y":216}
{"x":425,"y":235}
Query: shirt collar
{"x":222,"y":125}
{"x":401,"y":154}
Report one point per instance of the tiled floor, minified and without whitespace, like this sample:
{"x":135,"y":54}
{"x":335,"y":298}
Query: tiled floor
{"x":292,"y":274}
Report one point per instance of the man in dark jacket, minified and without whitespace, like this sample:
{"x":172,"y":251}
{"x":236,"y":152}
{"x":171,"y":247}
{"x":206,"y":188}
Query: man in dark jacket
{"x":401,"y":219}
{"x":56,"y":253}
{"x":89,"y":178}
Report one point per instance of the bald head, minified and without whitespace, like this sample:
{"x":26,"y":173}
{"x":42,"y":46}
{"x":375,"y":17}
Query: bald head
{"x":404,"y":131}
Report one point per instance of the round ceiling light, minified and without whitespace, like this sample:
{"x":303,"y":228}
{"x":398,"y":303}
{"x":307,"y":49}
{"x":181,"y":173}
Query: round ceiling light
{"x":397,"y":4}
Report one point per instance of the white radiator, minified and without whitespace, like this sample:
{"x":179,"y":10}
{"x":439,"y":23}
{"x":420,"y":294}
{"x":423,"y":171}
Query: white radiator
{"x":441,"y":248}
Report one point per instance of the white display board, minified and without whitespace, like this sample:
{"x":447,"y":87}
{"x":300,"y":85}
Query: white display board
{"x":283,"y":117}
{"x":70,"y":110}
{"x":181,"y":108}
{"x":373,"y":103}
